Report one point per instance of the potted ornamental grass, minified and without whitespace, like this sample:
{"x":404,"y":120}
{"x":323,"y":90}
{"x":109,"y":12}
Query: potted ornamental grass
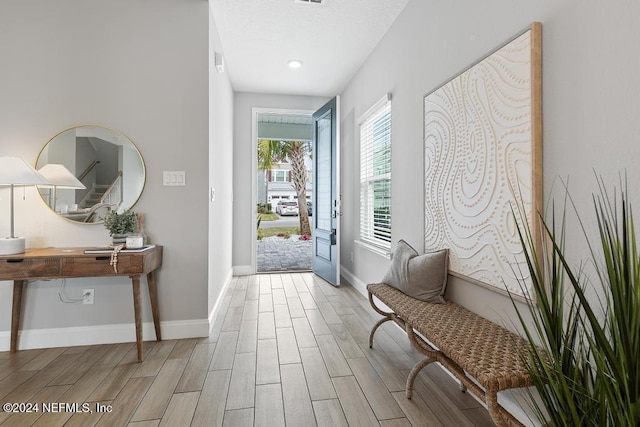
{"x":585,"y":333}
{"x":120,"y":225}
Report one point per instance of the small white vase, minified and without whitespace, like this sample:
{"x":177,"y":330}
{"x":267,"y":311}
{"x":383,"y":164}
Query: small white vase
{"x":134,"y":241}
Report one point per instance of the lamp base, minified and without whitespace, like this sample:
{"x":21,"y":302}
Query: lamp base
{"x":12,"y":245}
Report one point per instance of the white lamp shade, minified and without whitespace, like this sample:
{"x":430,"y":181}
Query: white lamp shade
{"x":15,"y":171}
{"x":60,"y":176}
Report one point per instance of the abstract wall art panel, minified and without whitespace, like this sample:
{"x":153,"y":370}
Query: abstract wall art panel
{"x":483,"y":155}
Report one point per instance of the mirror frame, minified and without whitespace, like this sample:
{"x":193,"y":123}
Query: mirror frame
{"x":120,"y":136}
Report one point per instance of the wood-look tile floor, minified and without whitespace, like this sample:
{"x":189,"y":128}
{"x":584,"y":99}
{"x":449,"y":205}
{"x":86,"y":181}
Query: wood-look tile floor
{"x":286,"y":349}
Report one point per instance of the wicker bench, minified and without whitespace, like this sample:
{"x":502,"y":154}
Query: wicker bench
{"x":485,"y":357}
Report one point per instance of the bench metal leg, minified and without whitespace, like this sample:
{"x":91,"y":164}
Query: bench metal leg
{"x":375,"y":327}
{"x":494,"y":409}
{"x":390,"y":315}
{"x":414,"y":373}
{"x":386,"y":318}
{"x":422,"y":348}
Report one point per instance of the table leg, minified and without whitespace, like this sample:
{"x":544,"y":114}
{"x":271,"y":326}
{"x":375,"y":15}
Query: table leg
{"x":137,"y":311}
{"x":18,"y":285}
{"x":153,"y":296}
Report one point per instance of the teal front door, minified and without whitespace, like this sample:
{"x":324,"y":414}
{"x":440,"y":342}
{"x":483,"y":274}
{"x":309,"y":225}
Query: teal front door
{"x":326,"y":198}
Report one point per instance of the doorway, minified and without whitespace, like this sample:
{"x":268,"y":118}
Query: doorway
{"x":283,"y":190}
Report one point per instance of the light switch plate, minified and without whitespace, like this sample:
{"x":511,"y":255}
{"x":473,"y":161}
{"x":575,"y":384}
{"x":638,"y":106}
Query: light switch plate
{"x":174,"y":178}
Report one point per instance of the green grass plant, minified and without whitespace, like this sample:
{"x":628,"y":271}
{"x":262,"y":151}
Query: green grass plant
{"x":585,"y":345}
{"x":268,"y":216}
{"x":270,"y":232}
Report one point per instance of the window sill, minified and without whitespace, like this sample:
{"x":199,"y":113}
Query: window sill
{"x":379,"y":250}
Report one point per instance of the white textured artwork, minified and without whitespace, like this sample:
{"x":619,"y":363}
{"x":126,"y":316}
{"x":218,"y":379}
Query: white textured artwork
{"x":478,"y":163}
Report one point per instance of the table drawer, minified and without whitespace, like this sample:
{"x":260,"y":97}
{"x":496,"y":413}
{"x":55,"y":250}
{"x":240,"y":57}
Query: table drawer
{"x":26,"y":268}
{"x":99,"y":265}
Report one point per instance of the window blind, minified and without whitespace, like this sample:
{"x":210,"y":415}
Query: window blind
{"x":375,"y":175}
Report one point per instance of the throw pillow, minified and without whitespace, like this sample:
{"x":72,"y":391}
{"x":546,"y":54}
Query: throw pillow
{"x":423,"y":277}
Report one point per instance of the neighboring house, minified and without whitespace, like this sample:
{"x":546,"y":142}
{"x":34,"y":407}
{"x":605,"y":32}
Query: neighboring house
{"x":285,"y":191}
{"x":276,"y":185}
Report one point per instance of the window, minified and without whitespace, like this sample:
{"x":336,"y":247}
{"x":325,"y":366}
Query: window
{"x":279,"y":175}
{"x":375,"y":174}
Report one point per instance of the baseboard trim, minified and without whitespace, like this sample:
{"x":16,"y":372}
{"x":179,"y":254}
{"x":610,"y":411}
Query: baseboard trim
{"x":243,"y":270}
{"x":216,"y":307}
{"x":357,"y":284}
{"x":103,"y":334}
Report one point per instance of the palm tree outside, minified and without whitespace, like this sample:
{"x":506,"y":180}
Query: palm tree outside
{"x":272,"y":152}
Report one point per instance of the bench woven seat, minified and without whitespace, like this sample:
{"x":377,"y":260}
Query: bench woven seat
{"x":463,"y":342}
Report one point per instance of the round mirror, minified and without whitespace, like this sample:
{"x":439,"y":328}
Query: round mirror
{"x":92,"y":170}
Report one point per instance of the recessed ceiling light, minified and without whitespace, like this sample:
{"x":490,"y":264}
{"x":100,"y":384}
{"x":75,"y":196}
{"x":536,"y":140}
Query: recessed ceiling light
{"x":295,"y":63}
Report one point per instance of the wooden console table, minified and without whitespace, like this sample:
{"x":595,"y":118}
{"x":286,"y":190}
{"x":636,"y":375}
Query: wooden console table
{"x":58,"y":263}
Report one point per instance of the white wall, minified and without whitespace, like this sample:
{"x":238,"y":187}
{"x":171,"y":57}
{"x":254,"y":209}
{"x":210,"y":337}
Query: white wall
{"x":590,"y":102}
{"x":243,"y":172}
{"x":139,"y":67}
{"x":220,"y":173}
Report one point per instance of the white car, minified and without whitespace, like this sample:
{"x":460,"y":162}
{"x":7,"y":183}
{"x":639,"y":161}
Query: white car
{"x":287,"y":208}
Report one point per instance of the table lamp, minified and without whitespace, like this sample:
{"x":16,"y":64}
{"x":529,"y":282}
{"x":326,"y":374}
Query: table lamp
{"x":59,"y":177}
{"x":16,"y":172}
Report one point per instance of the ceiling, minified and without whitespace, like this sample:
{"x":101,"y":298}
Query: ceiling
{"x":332,"y":39}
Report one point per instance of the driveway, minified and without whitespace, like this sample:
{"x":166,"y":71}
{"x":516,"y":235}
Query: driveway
{"x":280,"y":254}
